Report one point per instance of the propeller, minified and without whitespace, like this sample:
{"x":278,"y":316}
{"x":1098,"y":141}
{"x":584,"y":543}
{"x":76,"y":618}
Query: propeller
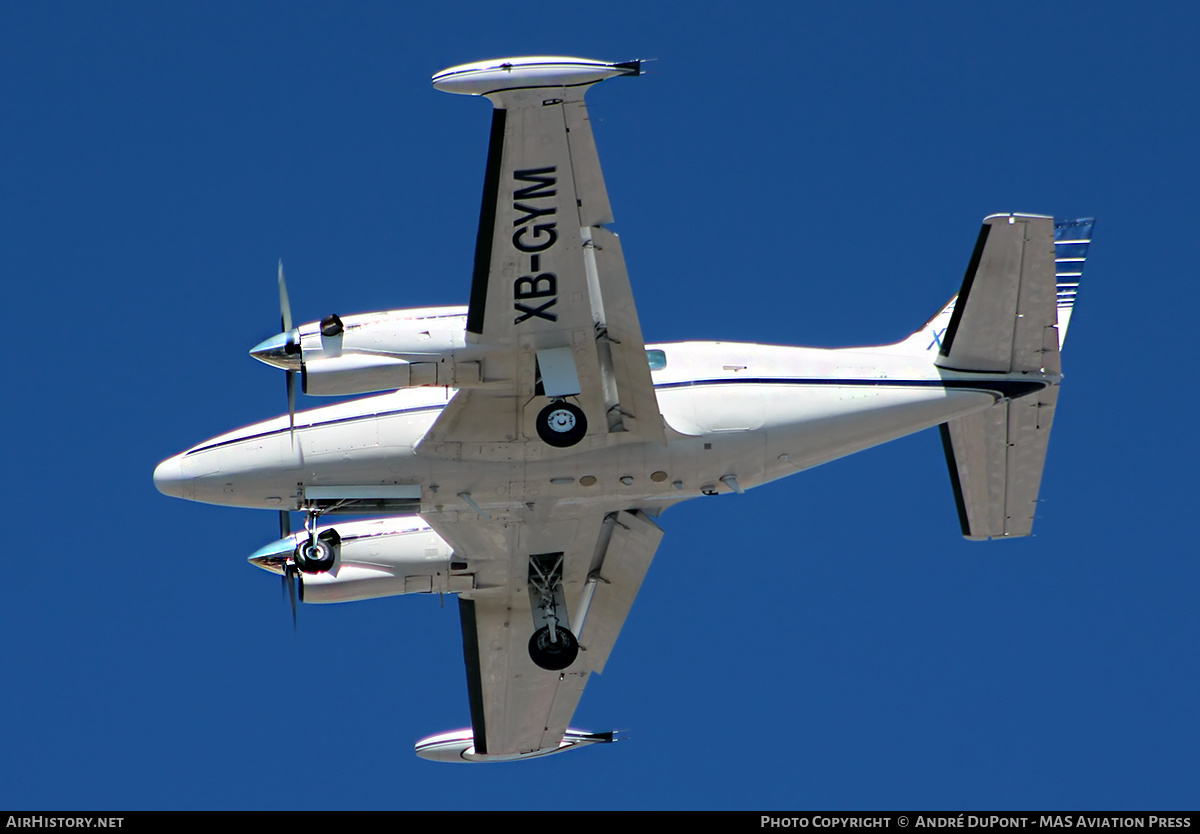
{"x":285,"y":322}
{"x":269,"y":351}
{"x":289,"y":567}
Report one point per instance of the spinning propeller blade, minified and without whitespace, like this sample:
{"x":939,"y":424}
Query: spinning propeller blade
{"x":289,"y":569}
{"x":285,"y":321}
{"x":289,"y":588}
{"x":285,"y":308}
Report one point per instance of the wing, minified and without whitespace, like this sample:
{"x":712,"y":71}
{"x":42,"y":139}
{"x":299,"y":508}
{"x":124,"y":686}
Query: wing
{"x":551,"y":313}
{"x":517,"y":707}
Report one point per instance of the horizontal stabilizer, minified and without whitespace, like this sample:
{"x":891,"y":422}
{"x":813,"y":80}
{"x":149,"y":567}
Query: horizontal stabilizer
{"x":996,"y":459}
{"x":1071,"y":241}
{"x":1005,"y":319}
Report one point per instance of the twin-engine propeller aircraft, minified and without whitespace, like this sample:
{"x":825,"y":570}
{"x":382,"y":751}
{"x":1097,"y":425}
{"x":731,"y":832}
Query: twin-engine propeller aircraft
{"x":530,"y":440}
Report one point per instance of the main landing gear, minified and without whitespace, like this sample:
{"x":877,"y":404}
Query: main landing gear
{"x":561,"y":424}
{"x":552,"y":647}
{"x":320,"y":551}
{"x":318,"y":555}
{"x":315,"y":554}
{"x":553,"y":651}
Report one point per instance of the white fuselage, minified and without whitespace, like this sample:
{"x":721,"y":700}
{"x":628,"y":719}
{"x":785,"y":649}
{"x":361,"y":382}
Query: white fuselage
{"x":739,"y":415}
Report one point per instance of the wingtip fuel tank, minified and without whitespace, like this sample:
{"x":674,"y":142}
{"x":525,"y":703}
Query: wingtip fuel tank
{"x":485,"y":77}
{"x":459,"y":746}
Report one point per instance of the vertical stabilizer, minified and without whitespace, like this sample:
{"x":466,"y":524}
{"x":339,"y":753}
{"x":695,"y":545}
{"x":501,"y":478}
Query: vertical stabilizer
{"x":927,"y":339}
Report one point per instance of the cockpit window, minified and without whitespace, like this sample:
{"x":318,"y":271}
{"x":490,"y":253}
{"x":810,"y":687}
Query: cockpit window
{"x":657,"y":359}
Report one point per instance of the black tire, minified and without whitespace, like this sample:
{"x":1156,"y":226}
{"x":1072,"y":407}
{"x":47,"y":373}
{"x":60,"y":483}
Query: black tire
{"x":316,"y":557}
{"x":556,"y":656}
{"x":561,"y":424}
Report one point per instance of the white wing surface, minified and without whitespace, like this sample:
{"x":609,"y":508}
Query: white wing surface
{"x":517,"y":707}
{"x":551,"y":310}
{"x":551,"y":321}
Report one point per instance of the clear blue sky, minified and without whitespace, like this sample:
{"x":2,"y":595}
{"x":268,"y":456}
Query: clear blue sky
{"x":789,"y":173}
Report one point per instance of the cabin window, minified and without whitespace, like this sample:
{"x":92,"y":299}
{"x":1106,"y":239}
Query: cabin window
{"x":657,"y":359}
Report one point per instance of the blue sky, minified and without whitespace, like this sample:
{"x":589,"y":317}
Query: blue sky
{"x":786,"y":173}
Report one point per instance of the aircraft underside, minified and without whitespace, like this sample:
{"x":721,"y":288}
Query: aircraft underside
{"x":531,"y":438}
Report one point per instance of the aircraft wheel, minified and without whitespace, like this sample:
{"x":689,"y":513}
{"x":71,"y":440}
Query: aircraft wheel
{"x":315,"y":557}
{"x":555,"y":656}
{"x":561,"y":424}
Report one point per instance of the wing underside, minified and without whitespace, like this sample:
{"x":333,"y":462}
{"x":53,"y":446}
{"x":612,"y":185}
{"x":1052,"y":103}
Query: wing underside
{"x":517,"y":707}
{"x":551,"y":310}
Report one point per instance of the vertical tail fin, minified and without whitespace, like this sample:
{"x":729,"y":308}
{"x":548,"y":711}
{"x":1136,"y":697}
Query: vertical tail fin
{"x":928,"y":339}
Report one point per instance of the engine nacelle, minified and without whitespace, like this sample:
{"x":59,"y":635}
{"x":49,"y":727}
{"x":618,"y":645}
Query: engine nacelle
{"x":374,"y":558}
{"x":358,"y":373}
{"x":363,"y":373}
{"x":371,"y":352}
